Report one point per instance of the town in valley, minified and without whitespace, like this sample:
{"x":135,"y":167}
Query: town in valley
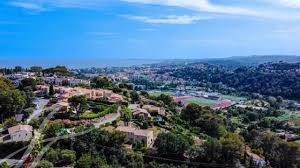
{"x":168,"y":114}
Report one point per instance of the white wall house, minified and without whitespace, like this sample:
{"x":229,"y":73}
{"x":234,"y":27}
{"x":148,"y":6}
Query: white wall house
{"x":18,"y":133}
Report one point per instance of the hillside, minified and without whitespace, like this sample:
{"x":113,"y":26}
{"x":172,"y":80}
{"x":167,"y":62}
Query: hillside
{"x":234,"y":62}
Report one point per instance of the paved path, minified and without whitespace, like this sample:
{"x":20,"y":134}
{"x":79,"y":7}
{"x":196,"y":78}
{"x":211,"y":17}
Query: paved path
{"x":106,"y":119}
{"x":40,"y":104}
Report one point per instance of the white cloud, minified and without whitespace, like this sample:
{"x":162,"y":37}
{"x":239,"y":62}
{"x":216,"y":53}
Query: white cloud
{"x":287,"y":3}
{"x":290,"y":30}
{"x":27,"y":5}
{"x":147,"y":29}
{"x":170,"y":19}
{"x":41,"y":5}
{"x":258,"y":9}
{"x":201,"y":5}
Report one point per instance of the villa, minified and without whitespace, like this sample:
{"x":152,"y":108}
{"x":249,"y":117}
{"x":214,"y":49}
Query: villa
{"x":135,"y":135}
{"x":154,"y":109}
{"x":141,"y":113}
{"x":18,"y":133}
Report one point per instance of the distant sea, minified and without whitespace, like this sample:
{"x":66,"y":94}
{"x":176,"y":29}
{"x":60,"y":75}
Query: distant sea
{"x":73,"y":63}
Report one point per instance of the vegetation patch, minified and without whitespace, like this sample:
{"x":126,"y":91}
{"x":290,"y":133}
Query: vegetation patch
{"x":234,"y":98}
{"x":93,"y":115}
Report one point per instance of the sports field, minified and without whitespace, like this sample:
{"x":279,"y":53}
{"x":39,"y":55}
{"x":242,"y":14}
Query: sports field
{"x":202,"y":101}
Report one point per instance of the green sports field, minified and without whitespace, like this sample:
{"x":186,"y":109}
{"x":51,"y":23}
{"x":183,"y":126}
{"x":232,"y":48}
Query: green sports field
{"x":202,"y":101}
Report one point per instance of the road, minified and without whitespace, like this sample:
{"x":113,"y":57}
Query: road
{"x":107,"y":119}
{"x":40,"y":104}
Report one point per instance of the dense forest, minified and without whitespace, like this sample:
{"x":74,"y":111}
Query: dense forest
{"x":276,"y":79}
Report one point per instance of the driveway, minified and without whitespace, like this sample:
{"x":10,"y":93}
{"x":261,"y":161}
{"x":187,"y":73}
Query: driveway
{"x":106,"y":119}
{"x":40,"y":104}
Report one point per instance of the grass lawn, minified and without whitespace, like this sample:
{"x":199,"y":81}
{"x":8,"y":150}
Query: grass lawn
{"x":296,"y":122}
{"x":235,"y":120}
{"x":298,"y":142}
{"x":233,"y":98}
{"x":202,"y":101}
{"x":292,"y":116}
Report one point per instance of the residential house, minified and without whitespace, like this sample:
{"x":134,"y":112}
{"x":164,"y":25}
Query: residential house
{"x":154,"y":109}
{"x":18,"y":133}
{"x":135,"y":135}
{"x":139,"y":113}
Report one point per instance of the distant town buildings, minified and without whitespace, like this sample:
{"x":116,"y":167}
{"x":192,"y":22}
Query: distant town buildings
{"x":64,"y":93}
{"x":68,"y":81}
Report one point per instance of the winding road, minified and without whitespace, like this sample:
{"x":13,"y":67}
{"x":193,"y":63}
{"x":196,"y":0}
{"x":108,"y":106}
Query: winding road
{"x":40,"y":104}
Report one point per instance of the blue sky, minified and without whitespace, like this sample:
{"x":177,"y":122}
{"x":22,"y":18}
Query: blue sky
{"x":147,"y":29}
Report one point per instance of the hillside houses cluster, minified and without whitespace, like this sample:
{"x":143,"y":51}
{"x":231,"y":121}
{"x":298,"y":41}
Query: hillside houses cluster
{"x":55,"y":80}
{"x":64,"y":93}
{"x":70,"y":81}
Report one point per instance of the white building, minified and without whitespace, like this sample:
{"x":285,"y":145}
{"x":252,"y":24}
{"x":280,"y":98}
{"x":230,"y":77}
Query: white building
{"x":18,"y":133}
{"x":68,"y":81}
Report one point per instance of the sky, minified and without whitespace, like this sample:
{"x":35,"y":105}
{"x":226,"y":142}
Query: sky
{"x":86,"y":31}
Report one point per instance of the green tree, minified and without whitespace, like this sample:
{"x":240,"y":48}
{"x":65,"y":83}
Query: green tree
{"x":287,"y":154}
{"x":52,"y":129}
{"x":58,"y":70}
{"x":4,"y":165}
{"x":79,"y":103}
{"x":191,"y":113}
{"x":68,"y":156}
{"x":36,"y":69}
{"x":99,"y":162}
{"x":211,"y":124}
{"x":11,"y":99}
{"x":36,"y":122}
{"x":171,"y":145}
{"x":135,"y":160}
{"x":167,"y":99}
{"x":18,"y":69}
{"x":10,"y":122}
{"x":135,"y":97}
{"x":126,"y":114}
{"x":85,"y":161}
{"x":233,"y":147}
{"x":268,"y":142}
{"x":51,"y":90}
{"x":52,"y":155}
{"x":213,"y":150}
{"x":45,"y":164}
{"x":101,"y":82}
{"x":28,"y":82}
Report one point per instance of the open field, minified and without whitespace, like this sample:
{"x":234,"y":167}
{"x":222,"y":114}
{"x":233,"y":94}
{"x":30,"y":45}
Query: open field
{"x":202,"y":101}
{"x":292,"y":116}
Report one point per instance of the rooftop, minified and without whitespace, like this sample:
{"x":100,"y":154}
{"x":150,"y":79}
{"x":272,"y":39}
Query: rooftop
{"x":18,"y":128}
